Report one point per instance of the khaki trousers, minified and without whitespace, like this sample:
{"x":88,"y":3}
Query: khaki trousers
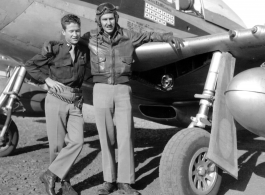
{"x":64,"y":124}
{"x":113,"y":102}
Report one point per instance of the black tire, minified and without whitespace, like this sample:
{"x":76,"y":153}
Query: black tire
{"x":11,"y":138}
{"x":184,"y":168}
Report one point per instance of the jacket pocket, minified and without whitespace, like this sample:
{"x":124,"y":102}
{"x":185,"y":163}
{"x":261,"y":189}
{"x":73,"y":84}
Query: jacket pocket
{"x":124,"y":67}
{"x":98,"y":64}
{"x":127,"y":60}
{"x":63,"y":69}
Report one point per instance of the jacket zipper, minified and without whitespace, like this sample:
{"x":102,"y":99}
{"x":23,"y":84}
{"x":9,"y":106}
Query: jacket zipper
{"x":113,"y":62}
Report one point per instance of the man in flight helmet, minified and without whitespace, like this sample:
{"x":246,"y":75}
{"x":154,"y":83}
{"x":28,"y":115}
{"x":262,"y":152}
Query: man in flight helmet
{"x":111,"y":51}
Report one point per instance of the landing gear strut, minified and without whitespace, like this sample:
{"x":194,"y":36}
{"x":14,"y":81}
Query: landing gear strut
{"x":8,"y":130}
{"x":184,"y":167}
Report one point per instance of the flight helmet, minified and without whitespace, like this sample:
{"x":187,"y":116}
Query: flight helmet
{"x":105,"y":8}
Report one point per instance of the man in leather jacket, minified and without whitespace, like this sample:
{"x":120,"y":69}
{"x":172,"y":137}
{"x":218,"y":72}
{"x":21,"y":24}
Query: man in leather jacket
{"x":111,"y":57}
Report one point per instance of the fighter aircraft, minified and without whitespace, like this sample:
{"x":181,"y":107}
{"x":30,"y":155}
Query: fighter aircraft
{"x":169,"y":86}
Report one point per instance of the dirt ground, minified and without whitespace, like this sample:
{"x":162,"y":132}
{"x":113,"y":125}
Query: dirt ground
{"x":19,"y":173}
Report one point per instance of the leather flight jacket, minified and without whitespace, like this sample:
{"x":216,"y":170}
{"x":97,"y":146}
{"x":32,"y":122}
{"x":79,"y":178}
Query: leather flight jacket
{"x":112,"y":57}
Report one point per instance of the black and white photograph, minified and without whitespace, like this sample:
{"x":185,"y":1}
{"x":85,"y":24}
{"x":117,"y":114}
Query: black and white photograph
{"x":132,"y":97}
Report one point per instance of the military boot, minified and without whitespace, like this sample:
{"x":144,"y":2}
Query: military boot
{"x":67,"y":189}
{"x":107,"y":188}
{"x":48,"y":178}
{"x":127,"y":189}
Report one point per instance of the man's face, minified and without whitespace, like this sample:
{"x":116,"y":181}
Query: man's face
{"x":108,"y":23}
{"x":72,"y":33}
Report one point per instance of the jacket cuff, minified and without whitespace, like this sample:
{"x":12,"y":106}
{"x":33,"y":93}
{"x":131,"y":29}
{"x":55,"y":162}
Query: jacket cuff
{"x":167,"y":36}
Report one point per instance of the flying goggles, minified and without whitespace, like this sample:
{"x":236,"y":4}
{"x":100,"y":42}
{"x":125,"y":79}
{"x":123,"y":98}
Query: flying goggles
{"x":104,"y":7}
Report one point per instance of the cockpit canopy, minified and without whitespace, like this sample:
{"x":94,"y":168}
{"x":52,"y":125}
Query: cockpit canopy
{"x":214,"y":11}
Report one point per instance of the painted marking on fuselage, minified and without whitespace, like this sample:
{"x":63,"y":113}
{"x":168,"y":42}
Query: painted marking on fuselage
{"x":158,"y":15}
{"x":139,"y":27}
{"x":160,"y":4}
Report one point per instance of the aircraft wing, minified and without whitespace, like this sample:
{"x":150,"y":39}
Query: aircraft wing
{"x":25,"y":25}
{"x":244,"y":44}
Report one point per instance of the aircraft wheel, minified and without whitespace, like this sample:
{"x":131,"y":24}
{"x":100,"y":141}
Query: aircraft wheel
{"x":184,"y":168}
{"x":11,"y":138}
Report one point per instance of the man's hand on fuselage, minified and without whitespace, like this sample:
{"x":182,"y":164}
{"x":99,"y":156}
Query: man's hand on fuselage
{"x":168,"y":37}
{"x":177,"y":41}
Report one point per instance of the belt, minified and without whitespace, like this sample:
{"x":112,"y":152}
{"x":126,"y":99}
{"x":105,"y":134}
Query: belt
{"x":72,"y":90}
{"x":126,"y":83}
{"x":78,"y":102}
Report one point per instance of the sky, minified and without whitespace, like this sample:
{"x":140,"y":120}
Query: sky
{"x":252,"y":12}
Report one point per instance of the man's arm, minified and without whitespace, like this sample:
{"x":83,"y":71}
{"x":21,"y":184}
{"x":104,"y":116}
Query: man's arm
{"x":84,"y":40}
{"x":88,"y":74}
{"x":141,"y":38}
{"x":38,"y":68}
{"x":47,"y":46}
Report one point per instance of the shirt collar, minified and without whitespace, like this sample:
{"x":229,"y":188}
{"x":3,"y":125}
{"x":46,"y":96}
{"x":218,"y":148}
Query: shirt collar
{"x":68,"y":45}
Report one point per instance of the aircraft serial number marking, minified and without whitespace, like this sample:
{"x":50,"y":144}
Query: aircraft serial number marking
{"x":157,"y":15}
{"x":139,"y":27}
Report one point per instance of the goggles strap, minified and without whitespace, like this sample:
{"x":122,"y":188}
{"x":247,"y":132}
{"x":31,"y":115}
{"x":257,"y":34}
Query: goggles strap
{"x":106,"y":6}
